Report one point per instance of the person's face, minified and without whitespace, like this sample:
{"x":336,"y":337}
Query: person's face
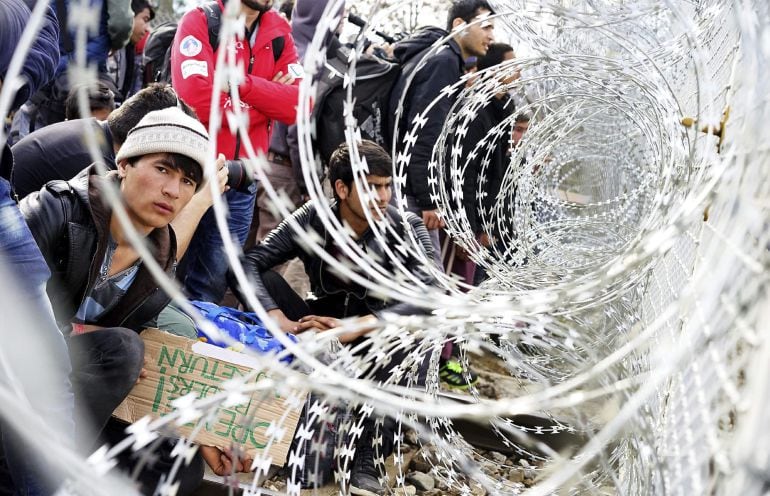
{"x":154,"y":191}
{"x":257,"y":5}
{"x":141,"y":26}
{"x":519,"y":129}
{"x":475,"y":39}
{"x":375,"y":199}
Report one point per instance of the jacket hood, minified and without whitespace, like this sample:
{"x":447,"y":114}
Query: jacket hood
{"x":422,"y":39}
{"x":304,"y":20}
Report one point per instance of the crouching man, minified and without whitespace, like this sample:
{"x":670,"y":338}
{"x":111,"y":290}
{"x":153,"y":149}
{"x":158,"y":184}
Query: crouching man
{"x":102,"y":292}
{"x":338,"y":297}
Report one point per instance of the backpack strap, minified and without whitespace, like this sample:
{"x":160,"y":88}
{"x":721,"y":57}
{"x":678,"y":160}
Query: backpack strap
{"x":213,"y":20}
{"x":64,"y":32}
{"x":278,"y":44}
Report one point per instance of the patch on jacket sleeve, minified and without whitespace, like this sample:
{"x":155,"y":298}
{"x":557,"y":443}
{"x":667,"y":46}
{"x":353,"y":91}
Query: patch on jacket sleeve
{"x":192,"y":67}
{"x":190,"y":46}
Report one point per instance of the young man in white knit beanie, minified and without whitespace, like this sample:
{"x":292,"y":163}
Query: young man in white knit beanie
{"x":102,"y":291}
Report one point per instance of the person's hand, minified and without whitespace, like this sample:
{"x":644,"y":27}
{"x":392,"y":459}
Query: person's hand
{"x":224,"y":462}
{"x":484,"y":240}
{"x":317,"y":322}
{"x":222,"y":173}
{"x":461,"y":254}
{"x":204,"y":194}
{"x":142,"y":373}
{"x":284,"y":323}
{"x":282,"y":78}
{"x":431,"y":219}
{"x":367,"y":324}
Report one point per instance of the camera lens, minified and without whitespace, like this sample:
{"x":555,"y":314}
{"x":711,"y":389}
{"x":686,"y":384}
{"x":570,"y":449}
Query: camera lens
{"x":237,"y":176}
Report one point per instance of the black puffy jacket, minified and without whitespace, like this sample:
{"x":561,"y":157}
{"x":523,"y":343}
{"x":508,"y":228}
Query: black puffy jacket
{"x":70,"y":223}
{"x":282,"y":245}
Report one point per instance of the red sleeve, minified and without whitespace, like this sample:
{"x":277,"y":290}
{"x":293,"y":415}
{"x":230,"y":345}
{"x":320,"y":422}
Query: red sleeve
{"x":274,"y":100}
{"x":192,"y":64}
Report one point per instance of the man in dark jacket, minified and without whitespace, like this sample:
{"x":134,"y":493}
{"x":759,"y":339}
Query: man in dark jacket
{"x":485,"y":170}
{"x":59,"y":151}
{"x":443,"y":69}
{"x":111,"y":31}
{"x":336,"y":296}
{"x":101,"y":290}
{"x":34,"y":355}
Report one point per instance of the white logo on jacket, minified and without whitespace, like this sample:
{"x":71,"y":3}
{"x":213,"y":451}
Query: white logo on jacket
{"x":191,"y":67}
{"x":190,"y":46}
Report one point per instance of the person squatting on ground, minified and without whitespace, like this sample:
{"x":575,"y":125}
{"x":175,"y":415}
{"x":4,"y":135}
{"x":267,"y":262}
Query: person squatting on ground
{"x":267,"y":92}
{"x":40,"y":377}
{"x":102,"y":292}
{"x":337,"y":297}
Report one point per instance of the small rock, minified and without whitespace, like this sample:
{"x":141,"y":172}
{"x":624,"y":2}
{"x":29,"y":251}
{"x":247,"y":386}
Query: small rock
{"x":421,"y":462}
{"x":478,"y":490}
{"x":487,"y":391}
{"x":411,"y":437}
{"x":421,"y":480}
{"x":524,"y":463}
{"x":516,"y":475}
{"x":498,"y":457}
{"x":530,"y":473}
{"x":405,"y":491}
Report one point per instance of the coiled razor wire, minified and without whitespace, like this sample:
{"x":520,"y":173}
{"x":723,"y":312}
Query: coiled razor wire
{"x":627,"y":299}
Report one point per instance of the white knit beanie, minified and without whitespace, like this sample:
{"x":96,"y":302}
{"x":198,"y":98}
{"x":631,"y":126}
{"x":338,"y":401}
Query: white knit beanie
{"x":167,"y":131}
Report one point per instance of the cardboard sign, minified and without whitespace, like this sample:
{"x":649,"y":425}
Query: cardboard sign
{"x":177,"y":366}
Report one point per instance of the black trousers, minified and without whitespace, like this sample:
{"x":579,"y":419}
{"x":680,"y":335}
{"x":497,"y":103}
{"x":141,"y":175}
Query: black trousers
{"x":294,"y":307}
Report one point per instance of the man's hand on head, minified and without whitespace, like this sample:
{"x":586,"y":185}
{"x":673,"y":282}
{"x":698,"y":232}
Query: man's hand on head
{"x":204,"y":196}
{"x":431,"y":219}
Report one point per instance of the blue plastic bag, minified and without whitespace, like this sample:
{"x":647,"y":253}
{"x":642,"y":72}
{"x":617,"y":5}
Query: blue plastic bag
{"x":244,"y":327}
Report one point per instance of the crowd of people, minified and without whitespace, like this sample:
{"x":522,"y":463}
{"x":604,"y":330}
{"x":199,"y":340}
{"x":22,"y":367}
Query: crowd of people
{"x":74,"y":257}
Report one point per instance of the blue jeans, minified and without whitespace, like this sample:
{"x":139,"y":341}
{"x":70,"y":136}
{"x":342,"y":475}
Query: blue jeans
{"x":43,"y":375}
{"x":204,"y":267}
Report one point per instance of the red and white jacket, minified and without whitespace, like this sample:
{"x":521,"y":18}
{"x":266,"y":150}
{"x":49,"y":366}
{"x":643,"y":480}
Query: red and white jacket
{"x":192,"y":72}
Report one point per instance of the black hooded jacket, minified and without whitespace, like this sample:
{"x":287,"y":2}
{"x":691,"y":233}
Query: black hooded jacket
{"x":481,"y":183}
{"x":442,"y":70}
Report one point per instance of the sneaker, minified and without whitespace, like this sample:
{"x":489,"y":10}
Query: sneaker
{"x":455,"y":375}
{"x":364,"y":479}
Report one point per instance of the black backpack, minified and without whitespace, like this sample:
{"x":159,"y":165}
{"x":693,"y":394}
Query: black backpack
{"x":374,"y":82}
{"x":157,"y":51}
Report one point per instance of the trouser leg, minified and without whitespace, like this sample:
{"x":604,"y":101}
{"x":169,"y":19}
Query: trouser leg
{"x":105,"y":367}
